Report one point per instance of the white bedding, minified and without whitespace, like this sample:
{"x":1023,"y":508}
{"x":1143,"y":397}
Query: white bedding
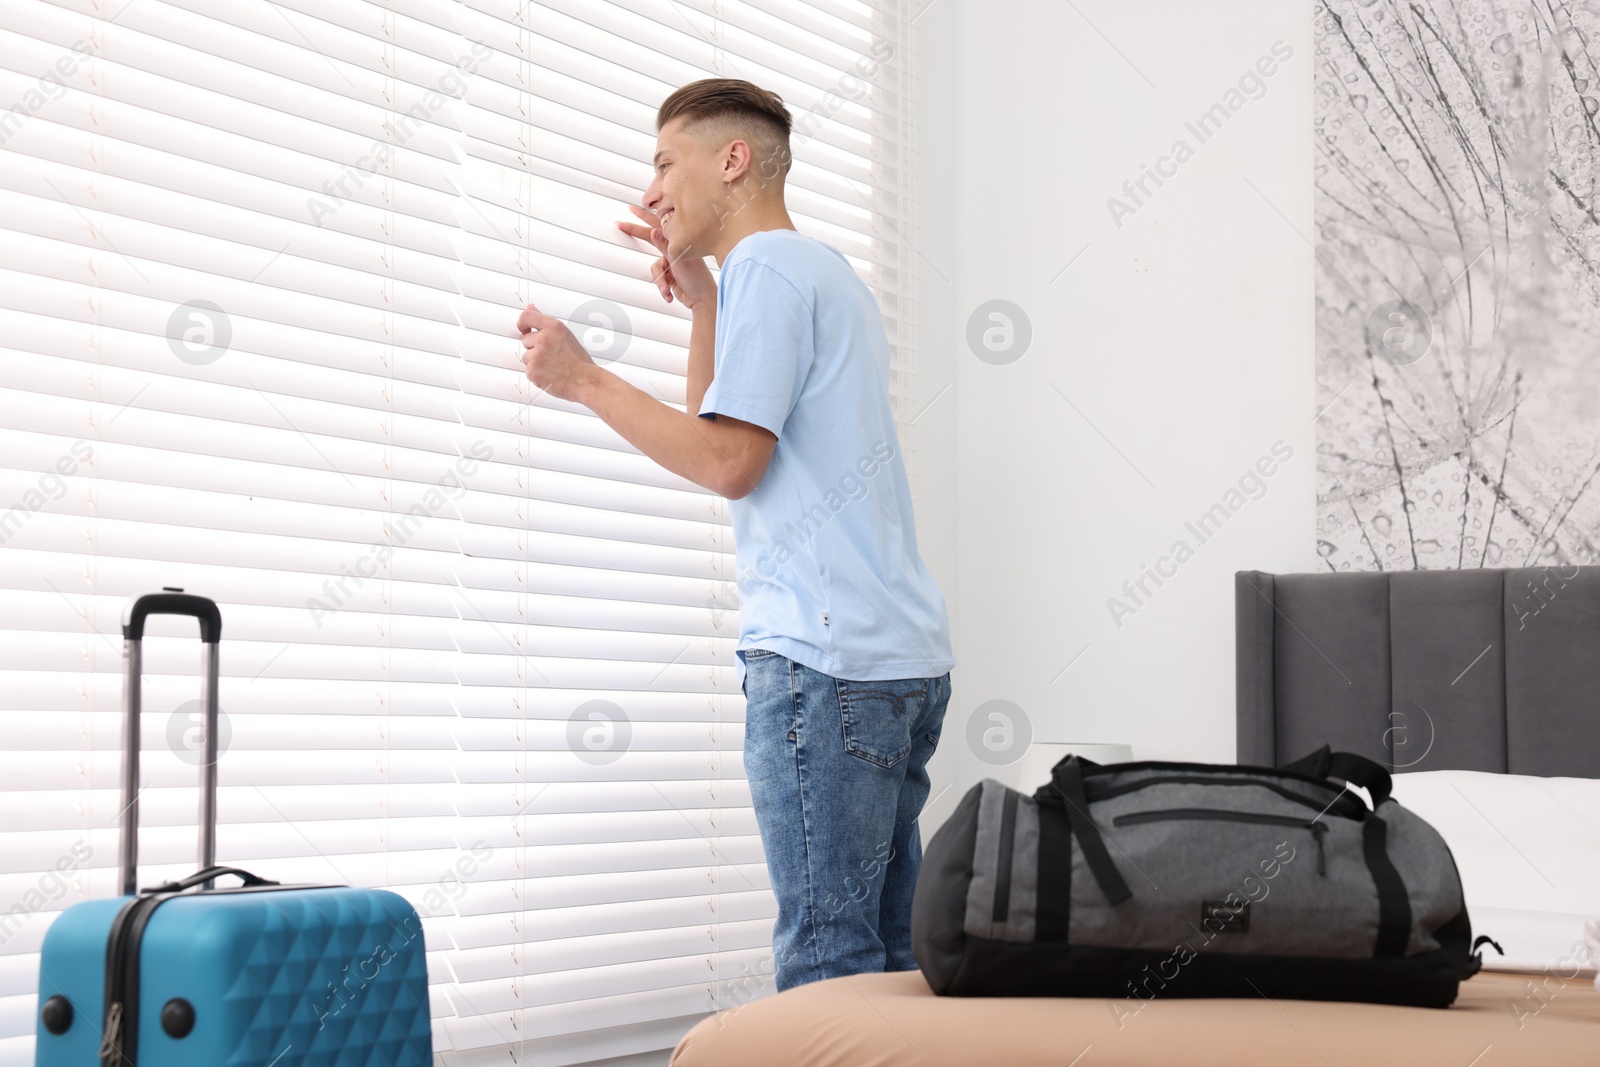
{"x":1528,"y":849}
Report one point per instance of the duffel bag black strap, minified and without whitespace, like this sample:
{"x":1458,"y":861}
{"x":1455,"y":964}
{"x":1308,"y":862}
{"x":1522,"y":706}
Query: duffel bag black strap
{"x":1394,"y":904}
{"x":1357,"y":770}
{"x":205,"y":874}
{"x":1068,"y":780}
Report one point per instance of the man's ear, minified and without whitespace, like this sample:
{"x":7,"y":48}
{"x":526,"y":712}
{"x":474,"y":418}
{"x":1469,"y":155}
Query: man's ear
{"x":736,"y":161}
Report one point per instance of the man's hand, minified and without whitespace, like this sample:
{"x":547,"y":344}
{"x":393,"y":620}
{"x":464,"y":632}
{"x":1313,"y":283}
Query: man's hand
{"x":554,"y":359}
{"x":689,"y":279}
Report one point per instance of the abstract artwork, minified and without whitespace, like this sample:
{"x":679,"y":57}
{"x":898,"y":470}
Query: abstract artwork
{"x":1458,"y":283}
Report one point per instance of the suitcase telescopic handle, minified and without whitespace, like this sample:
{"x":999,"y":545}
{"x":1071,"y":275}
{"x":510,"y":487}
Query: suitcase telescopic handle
{"x":170,"y":601}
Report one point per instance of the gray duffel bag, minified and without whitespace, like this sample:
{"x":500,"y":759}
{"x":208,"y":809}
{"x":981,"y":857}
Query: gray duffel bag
{"x":1194,"y":880}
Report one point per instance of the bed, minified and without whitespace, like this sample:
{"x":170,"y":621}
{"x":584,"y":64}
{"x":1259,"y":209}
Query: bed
{"x":1481,"y":691}
{"x":894,"y":1020}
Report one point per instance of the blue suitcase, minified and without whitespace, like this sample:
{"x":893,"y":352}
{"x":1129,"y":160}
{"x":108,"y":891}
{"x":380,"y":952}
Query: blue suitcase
{"x":256,"y":975}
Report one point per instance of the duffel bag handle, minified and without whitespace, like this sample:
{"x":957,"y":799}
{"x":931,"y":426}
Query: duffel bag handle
{"x":1357,"y":770}
{"x":1067,"y":779}
{"x":206,"y":874}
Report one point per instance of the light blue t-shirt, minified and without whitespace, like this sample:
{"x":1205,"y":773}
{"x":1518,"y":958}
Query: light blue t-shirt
{"x":826,"y":546}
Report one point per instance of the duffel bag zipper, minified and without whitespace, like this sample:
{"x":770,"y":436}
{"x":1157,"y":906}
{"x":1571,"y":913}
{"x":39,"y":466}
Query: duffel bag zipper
{"x":1106,"y":792}
{"x":1316,"y":827}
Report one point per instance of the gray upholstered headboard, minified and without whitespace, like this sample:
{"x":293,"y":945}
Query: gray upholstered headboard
{"x":1488,"y":670}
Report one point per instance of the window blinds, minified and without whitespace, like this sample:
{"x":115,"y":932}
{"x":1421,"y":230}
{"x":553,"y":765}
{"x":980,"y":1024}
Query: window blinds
{"x":259,"y":273}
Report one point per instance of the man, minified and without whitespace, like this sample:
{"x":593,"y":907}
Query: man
{"x":844,"y":648}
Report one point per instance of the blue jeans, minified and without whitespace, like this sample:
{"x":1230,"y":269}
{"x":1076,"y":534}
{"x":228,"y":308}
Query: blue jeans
{"x":837,"y":773}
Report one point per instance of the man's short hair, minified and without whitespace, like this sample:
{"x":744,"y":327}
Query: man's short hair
{"x":728,"y":109}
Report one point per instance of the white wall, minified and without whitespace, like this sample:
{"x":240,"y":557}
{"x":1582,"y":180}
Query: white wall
{"x":1172,"y":353}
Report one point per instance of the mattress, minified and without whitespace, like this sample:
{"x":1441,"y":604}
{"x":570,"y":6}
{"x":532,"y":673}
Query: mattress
{"x":1528,"y":849}
{"x":894,"y":1020}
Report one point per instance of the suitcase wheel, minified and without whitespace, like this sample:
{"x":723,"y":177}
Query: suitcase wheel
{"x":177,"y":1017}
{"x":57,"y":1014}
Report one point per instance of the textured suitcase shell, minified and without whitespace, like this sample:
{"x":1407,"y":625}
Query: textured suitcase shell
{"x":277,"y":977}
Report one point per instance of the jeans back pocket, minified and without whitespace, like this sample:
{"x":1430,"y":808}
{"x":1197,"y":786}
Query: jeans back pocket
{"x":878,"y":717}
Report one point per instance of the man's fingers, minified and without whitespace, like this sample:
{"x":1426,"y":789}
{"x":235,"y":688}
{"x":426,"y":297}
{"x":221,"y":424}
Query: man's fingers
{"x":661,"y":269}
{"x":652,"y":224}
{"x":664,"y":278}
{"x":534,"y":319}
{"x":650,"y":232}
